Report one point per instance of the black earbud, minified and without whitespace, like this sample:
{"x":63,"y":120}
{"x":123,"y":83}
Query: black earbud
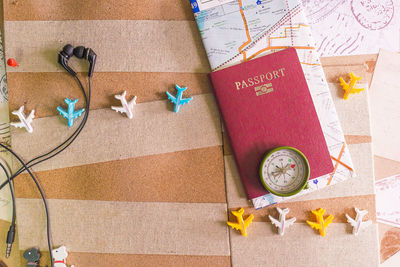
{"x":64,"y":56}
{"x":80,"y":52}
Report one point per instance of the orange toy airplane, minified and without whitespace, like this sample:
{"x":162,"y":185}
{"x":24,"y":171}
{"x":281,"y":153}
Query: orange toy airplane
{"x":349,"y":87}
{"x":321,"y":224}
{"x":241,"y":224}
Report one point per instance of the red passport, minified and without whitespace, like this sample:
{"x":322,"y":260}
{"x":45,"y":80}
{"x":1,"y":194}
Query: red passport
{"x":265,"y":103}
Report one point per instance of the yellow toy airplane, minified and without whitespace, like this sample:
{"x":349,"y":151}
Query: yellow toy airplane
{"x":321,"y":224}
{"x":349,"y":87}
{"x":241,"y":224}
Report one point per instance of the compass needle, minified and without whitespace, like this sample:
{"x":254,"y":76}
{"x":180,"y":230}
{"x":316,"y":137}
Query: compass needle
{"x":284,"y":171}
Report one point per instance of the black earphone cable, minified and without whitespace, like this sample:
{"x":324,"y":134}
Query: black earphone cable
{"x":43,"y":198}
{"x":11,"y":230}
{"x":69,"y":140}
{"x":66,"y":143}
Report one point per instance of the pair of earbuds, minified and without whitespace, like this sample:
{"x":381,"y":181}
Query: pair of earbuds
{"x":79,"y":52}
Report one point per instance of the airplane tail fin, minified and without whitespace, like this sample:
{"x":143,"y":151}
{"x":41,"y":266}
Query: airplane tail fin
{"x":238,"y":213}
{"x":321,"y":211}
{"x":19,"y":111}
{"x":70,"y":101}
{"x":121,"y":96}
{"x":354,"y":77}
{"x":285,"y":211}
{"x":180,"y":89}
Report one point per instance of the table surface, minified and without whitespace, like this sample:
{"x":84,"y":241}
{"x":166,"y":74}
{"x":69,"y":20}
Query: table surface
{"x":335,"y":67}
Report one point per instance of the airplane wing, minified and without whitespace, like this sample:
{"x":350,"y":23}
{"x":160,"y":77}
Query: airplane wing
{"x":132,"y":102}
{"x":30,"y":117}
{"x":76,"y":114}
{"x":357,"y":90}
{"x":328,"y":220}
{"x":314,"y":225}
{"x":234,"y":225}
{"x":170,"y":97}
{"x":343,"y":83}
{"x":274,"y":221}
{"x":62,"y":112}
{"x":118,"y":109}
{"x":290,"y":222}
{"x":17,"y":124}
{"x":351,"y":221}
{"x":248,"y":220}
{"x":185,"y":100}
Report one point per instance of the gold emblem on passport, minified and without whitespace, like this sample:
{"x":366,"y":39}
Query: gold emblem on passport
{"x":263,"y":89}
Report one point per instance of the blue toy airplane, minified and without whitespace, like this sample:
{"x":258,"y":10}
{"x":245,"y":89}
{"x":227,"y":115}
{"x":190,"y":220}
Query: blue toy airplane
{"x":71,"y":114}
{"x":178,"y":100}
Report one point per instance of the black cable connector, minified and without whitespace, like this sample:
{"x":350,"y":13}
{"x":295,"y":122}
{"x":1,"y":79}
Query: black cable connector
{"x":10,"y":239}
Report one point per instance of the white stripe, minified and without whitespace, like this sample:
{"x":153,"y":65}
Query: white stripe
{"x":303,"y":247}
{"x":111,"y":136}
{"x":126,"y":227}
{"x":120,"y":45}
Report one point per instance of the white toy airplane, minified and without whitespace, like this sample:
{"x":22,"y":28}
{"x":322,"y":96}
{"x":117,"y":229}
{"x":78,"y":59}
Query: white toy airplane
{"x":358,"y":223}
{"x":24,"y":122}
{"x":126,"y":107}
{"x":282,"y":223}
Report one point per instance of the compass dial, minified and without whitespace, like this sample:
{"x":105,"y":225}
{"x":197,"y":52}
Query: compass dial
{"x":284,"y":171}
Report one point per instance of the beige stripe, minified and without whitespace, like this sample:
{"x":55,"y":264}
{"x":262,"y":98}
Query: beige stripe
{"x":13,"y":260}
{"x":357,"y":139}
{"x":129,"y":260}
{"x":29,"y":88}
{"x":385,"y":167}
{"x":302,"y":246}
{"x":111,"y":136}
{"x":121,"y":45}
{"x":187,"y":176}
{"x":354,"y":113}
{"x":363,"y":184}
{"x":98,"y":10}
{"x":338,"y":207}
{"x":127,"y":227}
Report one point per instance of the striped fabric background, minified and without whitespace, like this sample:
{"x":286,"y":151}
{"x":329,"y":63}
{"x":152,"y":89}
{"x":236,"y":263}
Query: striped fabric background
{"x":157,"y":190}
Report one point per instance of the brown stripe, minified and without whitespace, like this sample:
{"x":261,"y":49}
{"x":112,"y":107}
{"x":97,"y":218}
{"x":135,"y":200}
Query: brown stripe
{"x":45,"y":91}
{"x":385,"y":167}
{"x":227,"y":144}
{"x":127,"y":260}
{"x":14,"y":256}
{"x":97,"y":10}
{"x":338,"y":207}
{"x":357,"y":139}
{"x":195,"y":176}
{"x":362,"y":65}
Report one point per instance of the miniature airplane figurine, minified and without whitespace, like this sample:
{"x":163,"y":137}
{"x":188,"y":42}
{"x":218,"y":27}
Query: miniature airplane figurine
{"x":241,"y":225}
{"x":282,"y":224}
{"x":71,"y":114}
{"x":24,"y":122}
{"x":321,"y":224}
{"x":349,"y":87}
{"x":358,"y":223}
{"x":126,"y":107}
{"x":178,"y":100}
